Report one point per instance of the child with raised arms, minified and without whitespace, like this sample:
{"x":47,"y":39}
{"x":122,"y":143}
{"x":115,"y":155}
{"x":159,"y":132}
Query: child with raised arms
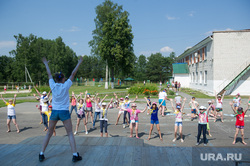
{"x":80,"y":113}
{"x":134,"y":119}
{"x":103,"y":118}
{"x":11,"y":113}
{"x":98,"y":107}
{"x":193,"y":105}
{"x":178,"y":118}
{"x":239,"y":124}
{"x":219,"y":106}
{"x":154,"y":117}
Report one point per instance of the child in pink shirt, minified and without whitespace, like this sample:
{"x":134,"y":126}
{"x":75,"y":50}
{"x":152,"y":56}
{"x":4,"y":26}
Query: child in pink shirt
{"x":134,"y":119}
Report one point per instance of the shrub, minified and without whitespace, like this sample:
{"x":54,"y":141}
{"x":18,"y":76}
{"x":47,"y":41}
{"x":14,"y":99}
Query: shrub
{"x":171,"y":93}
{"x":141,"y":89}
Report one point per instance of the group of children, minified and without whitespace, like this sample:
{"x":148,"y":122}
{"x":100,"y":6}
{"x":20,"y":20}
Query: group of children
{"x":83,"y":107}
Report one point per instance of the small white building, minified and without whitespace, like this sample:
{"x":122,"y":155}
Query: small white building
{"x":220,"y":62}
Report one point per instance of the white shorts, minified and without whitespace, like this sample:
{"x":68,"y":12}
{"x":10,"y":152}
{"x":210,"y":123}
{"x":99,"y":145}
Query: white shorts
{"x":120,"y":112}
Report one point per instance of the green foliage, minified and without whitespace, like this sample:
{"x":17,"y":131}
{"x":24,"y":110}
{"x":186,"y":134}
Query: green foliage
{"x":112,"y":38}
{"x":170,"y":92}
{"x":30,"y":50}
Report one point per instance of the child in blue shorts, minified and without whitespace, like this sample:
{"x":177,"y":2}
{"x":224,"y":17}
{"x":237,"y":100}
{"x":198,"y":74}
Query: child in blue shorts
{"x":154,"y":118}
{"x":178,"y":119}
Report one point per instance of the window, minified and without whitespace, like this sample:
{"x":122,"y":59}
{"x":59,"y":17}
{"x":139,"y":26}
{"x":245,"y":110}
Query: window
{"x":196,"y":77}
{"x":200,"y":77}
{"x":205,"y":52}
{"x":205,"y":77}
{"x":198,"y":56}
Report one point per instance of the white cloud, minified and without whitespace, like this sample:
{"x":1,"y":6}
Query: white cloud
{"x":191,"y":14}
{"x":72,"y":29}
{"x":74,"y":44}
{"x":210,"y":32}
{"x":171,"y":18}
{"x":166,"y":49}
{"x":7,"y":44}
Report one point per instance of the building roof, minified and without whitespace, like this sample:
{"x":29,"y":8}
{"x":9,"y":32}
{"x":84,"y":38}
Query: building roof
{"x":244,"y":30}
{"x":205,"y":41}
{"x":180,"y":68}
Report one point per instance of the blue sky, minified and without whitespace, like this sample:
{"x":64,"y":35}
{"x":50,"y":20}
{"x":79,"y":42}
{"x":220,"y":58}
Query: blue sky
{"x":158,"y":25}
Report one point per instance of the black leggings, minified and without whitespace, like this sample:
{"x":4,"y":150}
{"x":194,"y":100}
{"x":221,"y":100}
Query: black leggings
{"x":124,"y":116}
{"x":103,"y":123}
{"x":202,"y":127}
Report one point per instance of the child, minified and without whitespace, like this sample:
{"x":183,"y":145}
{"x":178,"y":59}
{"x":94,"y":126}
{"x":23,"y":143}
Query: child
{"x":219,"y":105}
{"x":178,"y":119}
{"x":134,"y":120}
{"x":177,"y":100}
{"x":89,"y":110}
{"x":48,"y":113}
{"x":73,"y":104}
{"x":40,"y":98}
{"x":98,"y":107}
{"x":45,"y":108}
{"x":103,"y":118}
{"x":11,"y":114}
{"x":202,"y":124}
{"x":210,"y":111}
{"x":148,"y":105}
{"x":239,"y":125}
{"x":237,"y":101}
{"x":80,"y":114}
{"x":154,"y":118}
{"x":193,"y":105}
{"x":127,"y":106}
{"x":121,"y":110}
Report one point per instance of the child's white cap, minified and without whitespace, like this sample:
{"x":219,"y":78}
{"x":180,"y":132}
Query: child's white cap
{"x":104,"y":103}
{"x":209,"y":101}
{"x":202,"y":108}
{"x":44,"y":93}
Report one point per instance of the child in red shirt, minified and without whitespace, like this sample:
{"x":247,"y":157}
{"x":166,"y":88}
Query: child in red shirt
{"x":239,"y":125}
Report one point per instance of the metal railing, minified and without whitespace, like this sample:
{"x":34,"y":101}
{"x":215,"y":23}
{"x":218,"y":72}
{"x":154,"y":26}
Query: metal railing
{"x":233,"y":76}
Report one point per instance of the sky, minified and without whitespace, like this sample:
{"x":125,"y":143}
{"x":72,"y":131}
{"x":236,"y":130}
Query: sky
{"x":163,"y":26}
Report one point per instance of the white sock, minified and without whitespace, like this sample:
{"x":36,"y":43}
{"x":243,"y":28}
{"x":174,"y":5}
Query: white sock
{"x":75,"y":154}
{"x":41,"y":153}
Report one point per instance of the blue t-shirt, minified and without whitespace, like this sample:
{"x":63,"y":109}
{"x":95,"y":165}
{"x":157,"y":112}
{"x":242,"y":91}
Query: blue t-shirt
{"x":154,"y":114}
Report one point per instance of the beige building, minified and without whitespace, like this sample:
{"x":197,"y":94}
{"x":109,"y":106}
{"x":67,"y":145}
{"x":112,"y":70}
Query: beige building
{"x":220,"y":62}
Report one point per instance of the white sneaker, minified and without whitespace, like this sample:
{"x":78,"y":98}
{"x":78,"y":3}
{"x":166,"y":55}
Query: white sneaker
{"x":182,"y":140}
{"x":124,"y":126}
{"x":75,"y":132}
{"x":86,"y":132}
{"x":174,"y":140}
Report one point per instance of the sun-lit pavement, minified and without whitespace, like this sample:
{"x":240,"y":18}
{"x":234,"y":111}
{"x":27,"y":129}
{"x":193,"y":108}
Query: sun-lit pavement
{"x":28,"y":119}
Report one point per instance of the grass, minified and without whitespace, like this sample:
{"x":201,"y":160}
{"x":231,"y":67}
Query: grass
{"x":2,"y":104}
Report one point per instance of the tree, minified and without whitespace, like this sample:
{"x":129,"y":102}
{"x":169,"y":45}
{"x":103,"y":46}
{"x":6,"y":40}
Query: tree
{"x":140,"y":71}
{"x":29,"y":52}
{"x":157,"y":67}
{"x":112,"y":38}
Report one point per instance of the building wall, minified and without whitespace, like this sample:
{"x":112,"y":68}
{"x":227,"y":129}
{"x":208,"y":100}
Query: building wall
{"x":205,"y":66}
{"x":231,"y":55}
{"x":183,"y":79}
